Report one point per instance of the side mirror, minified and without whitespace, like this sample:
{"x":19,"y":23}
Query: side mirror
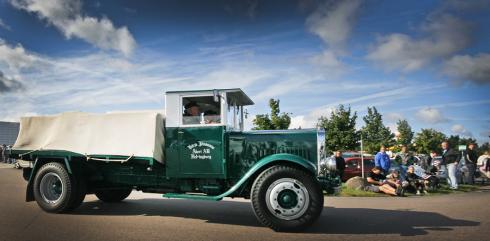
{"x":216,"y":96}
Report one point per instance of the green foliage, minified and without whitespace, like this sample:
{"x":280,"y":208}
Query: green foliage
{"x":484,"y":147}
{"x":374,"y":132}
{"x":340,"y":128}
{"x":429,"y":139}
{"x":277,"y":120}
{"x":406,"y":133}
{"x":455,"y":141}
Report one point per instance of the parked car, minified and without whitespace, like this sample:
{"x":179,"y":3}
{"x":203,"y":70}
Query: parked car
{"x":353,"y":167}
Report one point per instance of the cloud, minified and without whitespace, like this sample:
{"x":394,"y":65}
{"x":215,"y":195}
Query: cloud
{"x":15,"y":58}
{"x":333,"y":21}
{"x":66,"y":15}
{"x":4,"y":25}
{"x":9,"y":84}
{"x":485,"y":133}
{"x":461,"y":130}
{"x":445,"y":35}
{"x":329,"y":60}
{"x":471,"y":68}
{"x":394,"y":117}
{"x":430,"y":115}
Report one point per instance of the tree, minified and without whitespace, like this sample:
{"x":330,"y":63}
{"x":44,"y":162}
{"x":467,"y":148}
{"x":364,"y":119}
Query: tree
{"x":277,"y":121}
{"x":340,"y":128}
{"x":406,"y":133}
{"x":428,"y":140}
{"x":455,"y":141}
{"x":374,"y":132}
{"x":483,"y":147}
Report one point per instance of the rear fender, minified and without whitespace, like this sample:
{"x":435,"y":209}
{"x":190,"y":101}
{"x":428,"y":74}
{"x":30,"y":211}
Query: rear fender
{"x":38,"y":163}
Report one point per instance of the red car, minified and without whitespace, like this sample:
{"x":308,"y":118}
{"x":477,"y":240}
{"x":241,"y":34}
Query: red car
{"x":353,"y":166}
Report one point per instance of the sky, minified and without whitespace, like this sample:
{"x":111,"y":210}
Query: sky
{"x":424,"y":61}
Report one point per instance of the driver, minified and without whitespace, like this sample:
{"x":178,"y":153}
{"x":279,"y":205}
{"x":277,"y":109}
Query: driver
{"x":192,"y":113}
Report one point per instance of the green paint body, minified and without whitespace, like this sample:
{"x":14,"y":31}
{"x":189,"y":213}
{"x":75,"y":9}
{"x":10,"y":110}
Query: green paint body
{"x":210,"y":160}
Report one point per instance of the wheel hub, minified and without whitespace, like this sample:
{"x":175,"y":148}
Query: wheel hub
{"x":51,"y":187}
{"x":287,"y":198}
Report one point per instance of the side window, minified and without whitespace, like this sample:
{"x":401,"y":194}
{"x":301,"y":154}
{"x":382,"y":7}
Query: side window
{"x":353,"y":163}
{"x":200,"y":110}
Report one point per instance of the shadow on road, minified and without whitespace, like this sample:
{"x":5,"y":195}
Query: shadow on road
{"x":333,"y":220}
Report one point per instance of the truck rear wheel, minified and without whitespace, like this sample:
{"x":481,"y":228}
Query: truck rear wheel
{"x":111,"y":196}
{"x":53,"y":188}
{"x":286,"y":198}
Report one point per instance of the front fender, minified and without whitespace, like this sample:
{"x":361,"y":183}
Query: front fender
{"x":266,"y":162}
{"x":284,"y":157}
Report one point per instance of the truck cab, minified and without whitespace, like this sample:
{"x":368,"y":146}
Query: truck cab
{"x":197,"y":149}
{"x":196,"y":127}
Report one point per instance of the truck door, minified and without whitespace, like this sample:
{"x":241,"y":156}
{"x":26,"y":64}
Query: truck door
{"x":201,"y":152}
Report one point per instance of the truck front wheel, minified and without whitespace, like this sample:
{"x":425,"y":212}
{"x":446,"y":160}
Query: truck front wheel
{"x":53,"y":188}
{"x":111,"y":196}
{"x":286,"y":198}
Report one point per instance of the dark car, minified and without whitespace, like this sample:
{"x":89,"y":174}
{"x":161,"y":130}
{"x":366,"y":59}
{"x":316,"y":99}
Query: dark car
{"x":353,"y":166}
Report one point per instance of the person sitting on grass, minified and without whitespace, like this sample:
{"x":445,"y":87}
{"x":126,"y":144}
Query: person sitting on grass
{"x":394,"y":180}
{"x":414,"y":183}
{"x":377,"y":182}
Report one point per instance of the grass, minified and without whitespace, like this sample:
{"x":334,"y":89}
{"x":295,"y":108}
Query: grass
{"x":444,"y":189}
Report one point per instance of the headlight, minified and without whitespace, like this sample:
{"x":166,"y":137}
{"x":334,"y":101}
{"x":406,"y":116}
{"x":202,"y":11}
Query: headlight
{"x":328,"y":165}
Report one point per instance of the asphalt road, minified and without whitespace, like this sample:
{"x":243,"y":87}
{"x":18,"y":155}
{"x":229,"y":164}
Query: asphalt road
{"x":150,"y":217}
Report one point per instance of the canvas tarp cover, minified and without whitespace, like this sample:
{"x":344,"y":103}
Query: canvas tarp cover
{"x":138,"y":134}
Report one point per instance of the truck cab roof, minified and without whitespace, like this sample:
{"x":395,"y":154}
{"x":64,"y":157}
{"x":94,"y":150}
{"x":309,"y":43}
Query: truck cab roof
{"x":235,"y":95}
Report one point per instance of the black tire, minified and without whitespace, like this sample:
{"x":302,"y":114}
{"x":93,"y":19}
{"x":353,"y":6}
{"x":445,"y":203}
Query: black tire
{"x":267,"y":180}
{"x":79,"y":193}
{"x":46,"y":199}
{"x":112,"y":196}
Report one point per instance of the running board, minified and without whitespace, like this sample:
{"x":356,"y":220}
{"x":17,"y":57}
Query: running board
{"x":193,"y":196}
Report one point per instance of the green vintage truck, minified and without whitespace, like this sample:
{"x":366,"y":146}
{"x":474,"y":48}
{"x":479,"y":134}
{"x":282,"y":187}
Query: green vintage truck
{"x":195,"y":149}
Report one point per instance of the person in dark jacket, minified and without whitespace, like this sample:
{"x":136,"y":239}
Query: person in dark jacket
{"x":450,"y":158}
{"x":470,"y":158}
{"x":340,"y":161}
{"x":414,"y":182}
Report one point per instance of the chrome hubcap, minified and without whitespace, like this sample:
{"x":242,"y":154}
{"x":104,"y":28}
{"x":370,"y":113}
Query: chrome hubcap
{"x":287,"y":198}
{"x":51,"y":188}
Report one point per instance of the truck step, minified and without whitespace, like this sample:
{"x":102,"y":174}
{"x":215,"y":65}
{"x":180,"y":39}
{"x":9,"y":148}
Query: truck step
{"x":193,"y":196}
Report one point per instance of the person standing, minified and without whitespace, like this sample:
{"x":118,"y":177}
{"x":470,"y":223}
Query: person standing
{"x":340,"y":161}
{"x":471,"y":157}
{"x":450,"y":157}
{"x":404,"y":159}
{"x":382,"y":160}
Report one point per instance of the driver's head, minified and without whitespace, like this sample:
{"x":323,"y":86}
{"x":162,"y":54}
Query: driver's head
{"x":192,"y":108}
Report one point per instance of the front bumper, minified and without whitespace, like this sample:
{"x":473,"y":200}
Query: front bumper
{"x":330,"y":183}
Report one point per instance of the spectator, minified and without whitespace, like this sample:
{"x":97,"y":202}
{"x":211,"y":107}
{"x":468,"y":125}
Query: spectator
{"x":470,"y":158}
{"x":404,"y":159}
{"x":393,"y":179}
{"x":432,"y":155}
{"x":340,"y":161}
{"x":377,"y":182}
{"x":413,"y":182}
{"x":3,"y":152}
{"x":450,"y":159}
{"x":382,"y":160}
{"x":483,"y":164}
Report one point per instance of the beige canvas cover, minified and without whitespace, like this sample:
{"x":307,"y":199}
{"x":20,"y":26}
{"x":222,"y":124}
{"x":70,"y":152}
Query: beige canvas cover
{"x":127,"y":134}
